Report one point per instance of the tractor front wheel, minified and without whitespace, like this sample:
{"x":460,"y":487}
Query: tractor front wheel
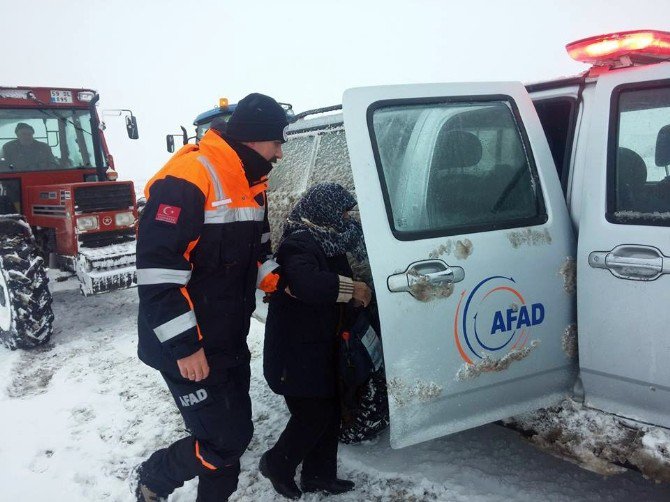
{"x":26,"y":318}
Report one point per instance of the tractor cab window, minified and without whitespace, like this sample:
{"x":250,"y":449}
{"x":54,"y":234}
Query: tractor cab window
{"x":45,"y":139}
{"x":202,"y":127}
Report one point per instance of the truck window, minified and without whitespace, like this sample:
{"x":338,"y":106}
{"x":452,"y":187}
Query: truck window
{"x":290,"y":173}
{"x":332,"y":163}
{"x":557,"y":119}
{"x":639,"y":157}
{"x":288,"y":180}
{"x":457,"y":167}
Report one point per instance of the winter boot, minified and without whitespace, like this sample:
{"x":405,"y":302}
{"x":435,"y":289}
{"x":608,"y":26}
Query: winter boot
{"x":332,"y":486}
{"x":285,"y":487}
{"x":141,"y":491}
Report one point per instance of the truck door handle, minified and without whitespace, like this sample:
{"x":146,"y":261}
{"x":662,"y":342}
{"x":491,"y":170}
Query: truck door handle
{"x":632,"y":261}
{"x":430,"y":272}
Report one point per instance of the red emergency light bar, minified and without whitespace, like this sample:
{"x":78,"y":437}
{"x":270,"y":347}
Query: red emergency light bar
{"x":642,"y":46}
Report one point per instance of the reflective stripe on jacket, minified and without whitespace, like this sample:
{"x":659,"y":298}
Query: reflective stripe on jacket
{"x":201,"y":238}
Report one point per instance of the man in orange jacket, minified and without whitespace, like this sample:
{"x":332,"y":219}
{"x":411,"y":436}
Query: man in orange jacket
{"x":203,"y":248}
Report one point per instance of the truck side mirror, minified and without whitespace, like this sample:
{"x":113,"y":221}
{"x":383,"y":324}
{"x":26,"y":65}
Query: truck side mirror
{"x":131,"y":127}
{"x":169,"y":139}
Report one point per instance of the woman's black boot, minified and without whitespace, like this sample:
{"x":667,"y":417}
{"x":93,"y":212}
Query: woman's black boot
{"x":332,"y":486}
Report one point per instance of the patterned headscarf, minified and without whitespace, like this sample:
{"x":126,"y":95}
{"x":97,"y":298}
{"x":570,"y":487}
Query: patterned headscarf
{"x":320,"y":211}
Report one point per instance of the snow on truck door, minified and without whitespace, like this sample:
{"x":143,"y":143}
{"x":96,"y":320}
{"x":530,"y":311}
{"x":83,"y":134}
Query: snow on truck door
{"x":624,"y":247}
{"x":469,"y":241}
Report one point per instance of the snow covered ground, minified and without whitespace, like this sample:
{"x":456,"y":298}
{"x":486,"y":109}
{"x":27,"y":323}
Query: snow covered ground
{"x":78,"y":414}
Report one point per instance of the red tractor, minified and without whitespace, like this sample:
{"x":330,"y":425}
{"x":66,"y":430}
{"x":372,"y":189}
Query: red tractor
{"x":59,"y":204}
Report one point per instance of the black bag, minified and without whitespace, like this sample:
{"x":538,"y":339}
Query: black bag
{"x":361,"y":379}
{"x":360,"y":352}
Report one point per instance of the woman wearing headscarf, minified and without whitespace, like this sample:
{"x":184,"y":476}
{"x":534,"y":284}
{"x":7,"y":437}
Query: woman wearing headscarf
{"x":301,"y":337}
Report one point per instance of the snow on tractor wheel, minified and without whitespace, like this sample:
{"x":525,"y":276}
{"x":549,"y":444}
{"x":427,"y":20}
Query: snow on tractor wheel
{"x":26,"y":318}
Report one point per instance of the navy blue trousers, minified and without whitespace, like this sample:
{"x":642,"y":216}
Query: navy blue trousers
{"x":217,"y":413}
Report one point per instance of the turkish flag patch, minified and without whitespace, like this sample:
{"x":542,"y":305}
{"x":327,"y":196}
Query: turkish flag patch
{"x":168,"y":214}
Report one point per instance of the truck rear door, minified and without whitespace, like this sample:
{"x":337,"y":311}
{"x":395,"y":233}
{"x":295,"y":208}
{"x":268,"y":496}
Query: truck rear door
{"x":471,"y":251}
{"x":624,"y":246}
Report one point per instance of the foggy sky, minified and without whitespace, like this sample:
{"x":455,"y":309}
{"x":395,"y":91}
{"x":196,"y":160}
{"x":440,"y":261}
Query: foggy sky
{"x":169,"y":60}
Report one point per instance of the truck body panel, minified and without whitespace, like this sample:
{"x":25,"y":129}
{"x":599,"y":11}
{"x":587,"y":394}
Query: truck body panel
{"x":624,"y":246}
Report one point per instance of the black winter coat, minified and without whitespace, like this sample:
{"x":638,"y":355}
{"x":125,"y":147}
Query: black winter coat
{"x":198,"y":255}
{"x":301,"y":343}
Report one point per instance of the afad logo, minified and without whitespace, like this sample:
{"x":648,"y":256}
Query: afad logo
{"x":494,"y":317}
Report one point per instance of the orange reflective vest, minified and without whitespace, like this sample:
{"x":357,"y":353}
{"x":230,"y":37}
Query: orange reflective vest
{"x":203,"y":247}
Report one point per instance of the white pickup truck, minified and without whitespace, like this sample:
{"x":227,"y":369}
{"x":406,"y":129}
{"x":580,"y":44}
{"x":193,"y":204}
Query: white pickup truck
{"x":519,"y":246}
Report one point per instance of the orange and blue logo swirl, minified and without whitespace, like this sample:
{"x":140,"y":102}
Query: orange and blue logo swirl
{"x":494,"y":318}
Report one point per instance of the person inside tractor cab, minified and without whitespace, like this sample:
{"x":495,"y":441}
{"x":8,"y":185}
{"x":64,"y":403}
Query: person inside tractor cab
{"x":26,"y":153}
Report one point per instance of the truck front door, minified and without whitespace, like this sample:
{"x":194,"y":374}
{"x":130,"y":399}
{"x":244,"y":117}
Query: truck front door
{"x":624,"y":246}
{"x":471,"y":251}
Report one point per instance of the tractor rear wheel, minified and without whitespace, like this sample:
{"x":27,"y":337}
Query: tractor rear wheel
{"x":26,"y":318}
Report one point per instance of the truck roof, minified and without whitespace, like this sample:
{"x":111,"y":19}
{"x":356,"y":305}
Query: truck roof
{"x":305,"y":121}
{"x":329,"y":116}
{"x":556,"y":83}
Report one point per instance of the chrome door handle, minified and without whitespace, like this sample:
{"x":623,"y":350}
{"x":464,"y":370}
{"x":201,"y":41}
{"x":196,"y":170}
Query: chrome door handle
{"x":426,"y":272}
{"x":632,"y":261}
{"x":439,"y":278}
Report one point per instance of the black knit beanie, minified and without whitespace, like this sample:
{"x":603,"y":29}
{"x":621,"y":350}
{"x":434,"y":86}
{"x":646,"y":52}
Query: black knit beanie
{"x":257,"y":118}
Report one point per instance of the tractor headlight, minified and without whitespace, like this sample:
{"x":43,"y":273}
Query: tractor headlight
{"x":85,"y":223}
{"x":124,"y":219}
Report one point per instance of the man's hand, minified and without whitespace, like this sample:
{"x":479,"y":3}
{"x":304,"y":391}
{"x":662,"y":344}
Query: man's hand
{"x":362,"y":293}
{"x":194,"y":367}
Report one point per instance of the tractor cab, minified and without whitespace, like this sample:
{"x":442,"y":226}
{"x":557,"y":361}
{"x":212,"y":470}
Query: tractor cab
{"x":47,"y":136}
{"x":56,"y":171}
{"x":204,"y":121}
{"x":45,"y":145}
